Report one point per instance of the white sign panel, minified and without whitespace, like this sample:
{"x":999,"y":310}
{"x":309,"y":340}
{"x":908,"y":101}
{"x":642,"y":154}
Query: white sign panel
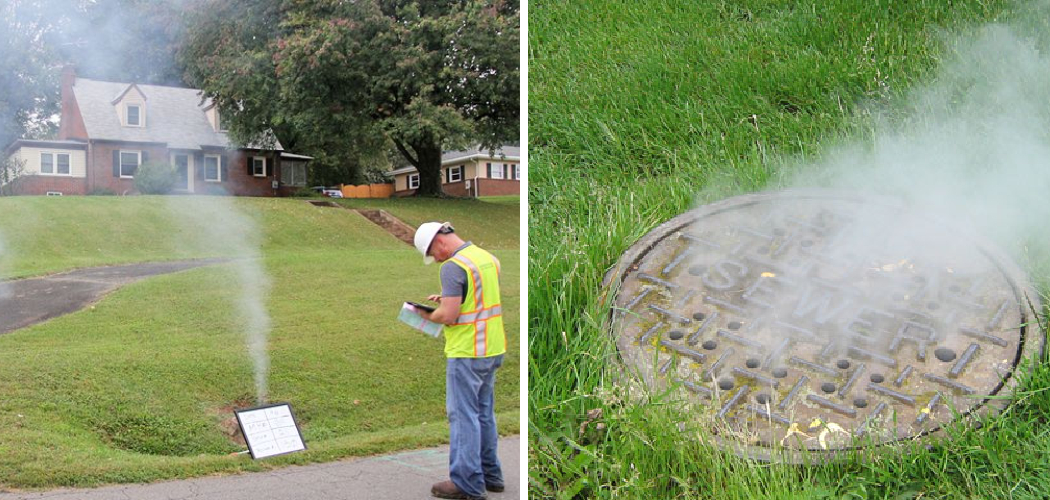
{"x":270,"y":430}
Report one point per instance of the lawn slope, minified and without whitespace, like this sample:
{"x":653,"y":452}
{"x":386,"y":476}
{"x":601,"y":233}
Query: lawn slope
{"x":640,"y":110}
{"x":136,"y":388}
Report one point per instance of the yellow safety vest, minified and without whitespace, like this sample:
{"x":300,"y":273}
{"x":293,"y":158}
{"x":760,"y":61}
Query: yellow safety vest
{"x":478,"y":331}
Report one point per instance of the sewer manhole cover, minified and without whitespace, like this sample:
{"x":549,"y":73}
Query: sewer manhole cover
{"x":809,"y":322}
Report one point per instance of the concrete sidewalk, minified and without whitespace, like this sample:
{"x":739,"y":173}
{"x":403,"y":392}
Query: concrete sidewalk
{"x":406,"y":475}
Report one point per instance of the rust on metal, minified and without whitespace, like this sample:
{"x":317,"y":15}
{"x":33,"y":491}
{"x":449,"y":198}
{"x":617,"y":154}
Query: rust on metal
{"x":810,"y":307}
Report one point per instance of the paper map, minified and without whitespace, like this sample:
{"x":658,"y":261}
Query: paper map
{"x":410,"y":317}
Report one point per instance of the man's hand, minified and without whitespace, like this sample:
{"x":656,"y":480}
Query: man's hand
{"x":434,"y":298}
{"x":447,"y":312}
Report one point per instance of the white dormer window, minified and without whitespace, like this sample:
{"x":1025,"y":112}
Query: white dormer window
{"x":133,"y":115}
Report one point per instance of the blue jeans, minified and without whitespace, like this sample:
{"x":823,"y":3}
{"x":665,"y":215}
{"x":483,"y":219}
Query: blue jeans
{"x":469,"y":399}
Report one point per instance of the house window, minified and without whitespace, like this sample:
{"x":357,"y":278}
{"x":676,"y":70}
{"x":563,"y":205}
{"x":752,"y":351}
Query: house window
{"x":413,"y":181}
{"x":129,"y":163}
{"x":293,"y":174}
{"x":455,"y":174}
{"x":495,"y":171}
{"x":212,"y":172}
{"x":258,"y":166}
{"x":63,"y":163}
{"x":54,"y":163}
{"x":133,"y":115}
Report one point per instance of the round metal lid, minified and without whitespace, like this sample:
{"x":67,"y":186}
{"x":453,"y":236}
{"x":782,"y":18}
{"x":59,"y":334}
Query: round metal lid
{"x":810,"y":322}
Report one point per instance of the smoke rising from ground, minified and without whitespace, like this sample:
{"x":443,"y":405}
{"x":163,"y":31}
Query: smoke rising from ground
{"x":974,"y":147}
{"x":215,"y":225}
{"x":893,"y":268}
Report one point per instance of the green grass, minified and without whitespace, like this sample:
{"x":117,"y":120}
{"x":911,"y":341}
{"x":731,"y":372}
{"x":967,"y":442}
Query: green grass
{"x":639,"y":111}
{"x":488,"y":223}
{"x":134,"y":388}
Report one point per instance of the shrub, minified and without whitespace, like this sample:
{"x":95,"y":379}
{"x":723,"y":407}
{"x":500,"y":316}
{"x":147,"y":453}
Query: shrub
{"x":155,"y":178}
{"x":306,"y":193}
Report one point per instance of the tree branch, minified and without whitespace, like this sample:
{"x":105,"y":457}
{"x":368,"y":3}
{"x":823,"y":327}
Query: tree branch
{"x":404,"y":152}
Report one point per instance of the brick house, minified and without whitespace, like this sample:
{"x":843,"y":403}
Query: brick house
{"x":109,"y":129}
{"x":473,"y":172}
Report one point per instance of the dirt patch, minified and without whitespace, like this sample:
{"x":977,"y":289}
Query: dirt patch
{"x":227,"y":420}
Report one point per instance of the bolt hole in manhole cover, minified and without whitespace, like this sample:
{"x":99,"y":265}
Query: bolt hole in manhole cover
{"x":805,"y":323}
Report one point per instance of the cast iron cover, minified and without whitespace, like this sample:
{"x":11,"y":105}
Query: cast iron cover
{"x":809,"y":322}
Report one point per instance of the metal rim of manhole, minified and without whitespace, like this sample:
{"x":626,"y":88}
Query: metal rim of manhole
{"x":807,"y":323}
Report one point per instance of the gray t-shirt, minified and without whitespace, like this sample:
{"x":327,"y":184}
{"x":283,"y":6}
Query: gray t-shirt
{"x":454,"y":278}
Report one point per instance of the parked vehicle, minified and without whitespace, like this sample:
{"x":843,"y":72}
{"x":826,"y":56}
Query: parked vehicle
{"x":330,"y":192}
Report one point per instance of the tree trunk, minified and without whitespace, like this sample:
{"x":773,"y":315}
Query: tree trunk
{"x":428,"y":156}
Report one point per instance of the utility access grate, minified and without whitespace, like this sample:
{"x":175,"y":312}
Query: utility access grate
{"x":808,"y":322}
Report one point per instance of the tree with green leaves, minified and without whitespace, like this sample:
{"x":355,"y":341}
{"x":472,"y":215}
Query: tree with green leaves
{"x":115,"y":40}
{"x":28,"y":82}
{"x":343,"y":81}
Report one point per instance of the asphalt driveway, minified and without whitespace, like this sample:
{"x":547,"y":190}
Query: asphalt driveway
{"x":34,"y":300}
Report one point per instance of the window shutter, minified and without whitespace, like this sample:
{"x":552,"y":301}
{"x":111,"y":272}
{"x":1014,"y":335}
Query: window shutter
{"x":116,"y":163}
{"x":198,"y":161}
{"x":266,"y":167}
{"x":488,"y":170}
{"x":224,"y":168}
{"x":251,"y":165}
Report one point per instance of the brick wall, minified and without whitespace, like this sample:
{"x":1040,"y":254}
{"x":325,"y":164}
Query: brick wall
{"x":71,"y":124}
{"x":236,"y":179}
{"x":241,"y":182}
{"x":498,"y":187}
{"x":41,"y":184}
{"x":100,"y":166}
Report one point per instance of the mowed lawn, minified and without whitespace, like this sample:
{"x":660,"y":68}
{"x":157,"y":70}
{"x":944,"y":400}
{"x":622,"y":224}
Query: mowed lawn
{"x":136,"y":387}
{"x":639,"y":111}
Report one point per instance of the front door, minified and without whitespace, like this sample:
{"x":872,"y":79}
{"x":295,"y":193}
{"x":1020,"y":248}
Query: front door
{"x":183,"y":172}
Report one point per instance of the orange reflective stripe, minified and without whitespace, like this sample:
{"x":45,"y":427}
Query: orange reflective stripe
{"x":475,"y":275}
{"x":473,"y":316}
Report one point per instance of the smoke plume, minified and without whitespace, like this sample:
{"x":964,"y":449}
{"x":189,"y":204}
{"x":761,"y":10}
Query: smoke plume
{"x":215,"y":225}
{"x":972,"y":150}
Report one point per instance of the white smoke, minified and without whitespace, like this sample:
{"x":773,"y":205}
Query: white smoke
{"x":215,"y":224}
{"x":973,"y":148}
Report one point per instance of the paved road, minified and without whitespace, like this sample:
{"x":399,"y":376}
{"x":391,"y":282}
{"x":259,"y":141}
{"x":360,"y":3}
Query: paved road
{"x":402,"y":476}
{"x":29,"y":301}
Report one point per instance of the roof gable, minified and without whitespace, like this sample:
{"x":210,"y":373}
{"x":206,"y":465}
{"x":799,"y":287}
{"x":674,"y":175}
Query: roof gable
{"x":136,"y":94}
{"x":176,"y":115}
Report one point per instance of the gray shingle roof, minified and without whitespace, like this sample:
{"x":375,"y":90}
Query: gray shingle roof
{"x":174,"y":116}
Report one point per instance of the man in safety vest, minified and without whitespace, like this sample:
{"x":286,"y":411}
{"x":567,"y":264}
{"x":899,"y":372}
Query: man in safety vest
{"x":474,"y":345}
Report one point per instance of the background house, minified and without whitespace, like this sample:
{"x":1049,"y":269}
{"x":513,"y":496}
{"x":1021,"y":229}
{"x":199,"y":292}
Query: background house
{"x":473,"y":172}
{"x":109,"y":129}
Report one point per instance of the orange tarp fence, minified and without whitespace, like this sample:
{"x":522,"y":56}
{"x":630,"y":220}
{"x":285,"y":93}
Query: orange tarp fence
{"x":368,"y":191}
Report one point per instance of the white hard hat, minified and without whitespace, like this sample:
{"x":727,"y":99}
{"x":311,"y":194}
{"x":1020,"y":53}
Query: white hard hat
{"x":425,"y":235}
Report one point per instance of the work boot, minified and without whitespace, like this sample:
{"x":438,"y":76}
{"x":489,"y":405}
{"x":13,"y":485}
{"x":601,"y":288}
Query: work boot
{"x":494,"y":487}
{"x":448,"y":489}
